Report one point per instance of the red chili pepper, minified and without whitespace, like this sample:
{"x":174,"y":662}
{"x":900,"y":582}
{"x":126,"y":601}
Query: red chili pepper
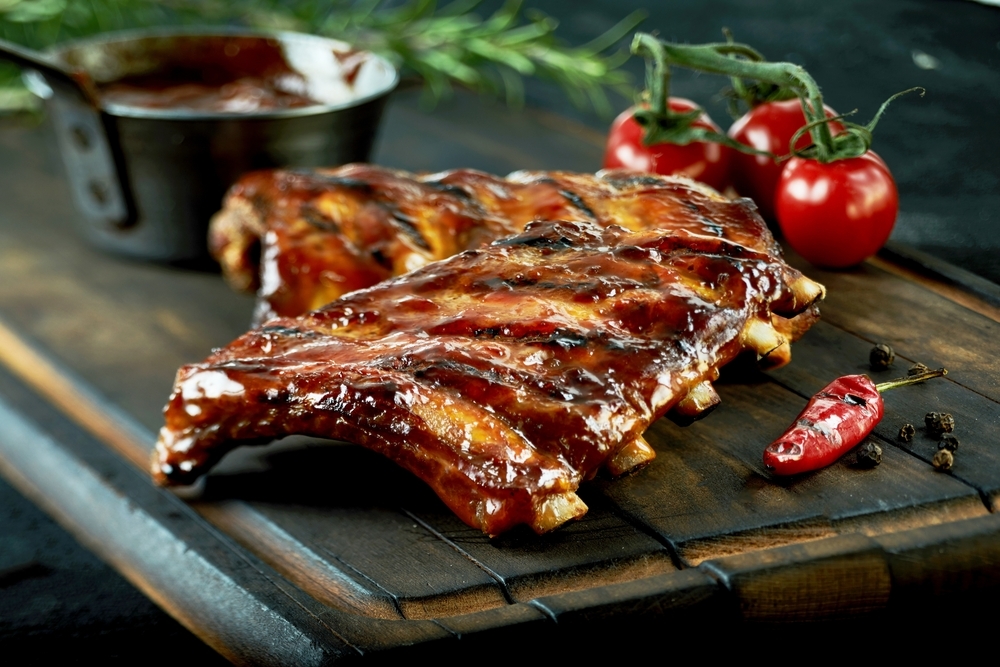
{"x":834,"y":421}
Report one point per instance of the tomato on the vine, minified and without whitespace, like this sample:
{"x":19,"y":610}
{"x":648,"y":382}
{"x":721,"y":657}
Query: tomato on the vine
{"x":703,"y":161}
{"x":838,"y":213}
{"x":768,"y":127}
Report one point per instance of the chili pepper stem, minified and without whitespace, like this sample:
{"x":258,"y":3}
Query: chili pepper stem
{"x":912,"y":379}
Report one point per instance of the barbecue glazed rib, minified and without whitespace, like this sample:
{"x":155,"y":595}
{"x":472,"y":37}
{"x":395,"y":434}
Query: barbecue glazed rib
{"x":303,"y":238}
{"x":505,"y":376}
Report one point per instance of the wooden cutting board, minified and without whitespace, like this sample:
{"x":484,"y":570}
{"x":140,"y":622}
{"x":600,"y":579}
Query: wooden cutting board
{"x":304,"y":551}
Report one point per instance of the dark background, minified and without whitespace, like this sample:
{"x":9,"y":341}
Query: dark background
{"x":58,"y":601}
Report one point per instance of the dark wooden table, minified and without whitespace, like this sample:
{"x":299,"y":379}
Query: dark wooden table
{"x":306,"y":552}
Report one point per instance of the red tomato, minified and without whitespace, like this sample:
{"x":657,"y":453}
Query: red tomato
{"x":768,"y":127}
{"x":705,"y":162}
{"x":836,"y":214}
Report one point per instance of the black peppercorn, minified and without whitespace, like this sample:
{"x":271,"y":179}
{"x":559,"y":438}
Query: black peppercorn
{"x":943,"y":460}
{"x":949,"y":442}
{"x":881,"y":357}
{"x":906,"y":432}
{"x":938,"y":423}
{"x":869,"y":455}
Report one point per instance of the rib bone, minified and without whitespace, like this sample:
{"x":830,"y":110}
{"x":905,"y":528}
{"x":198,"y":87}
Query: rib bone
{"x":700,"y":401}
{"x":762,"y":337}
{"x":555,"y":510}
{"x":630,"y":456}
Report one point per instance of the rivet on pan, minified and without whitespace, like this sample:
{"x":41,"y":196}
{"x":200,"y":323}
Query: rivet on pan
{"x":99,"y":191}
{"x":81,"y":137}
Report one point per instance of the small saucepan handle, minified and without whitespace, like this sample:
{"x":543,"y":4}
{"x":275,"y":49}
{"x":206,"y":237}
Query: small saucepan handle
{"x":84,"y":135}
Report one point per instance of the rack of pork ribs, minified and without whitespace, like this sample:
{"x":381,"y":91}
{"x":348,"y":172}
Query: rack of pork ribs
{"x":503,"y":375}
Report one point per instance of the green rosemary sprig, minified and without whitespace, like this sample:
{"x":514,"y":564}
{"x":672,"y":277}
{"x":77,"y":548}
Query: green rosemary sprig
{"x":445,"y":46}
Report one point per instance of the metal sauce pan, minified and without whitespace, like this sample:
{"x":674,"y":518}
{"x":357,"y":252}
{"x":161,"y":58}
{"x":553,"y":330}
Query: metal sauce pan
{"x":147,"y":180}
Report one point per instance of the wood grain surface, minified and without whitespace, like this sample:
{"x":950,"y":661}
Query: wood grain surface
{"x":343,"y":554}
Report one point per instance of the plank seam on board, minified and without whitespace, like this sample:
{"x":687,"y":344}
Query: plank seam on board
{"x":444,"y":627}
{"x":710,"y":568}
{"x":390,"y":594}
{"x":948,"y":378}
{"x":819,"y":520}
{"x":634,"y":521}
{"x":551,"y":615}
{"x":494,"y":575}
{"x":278,"y":582}
{"x":241,"y":531}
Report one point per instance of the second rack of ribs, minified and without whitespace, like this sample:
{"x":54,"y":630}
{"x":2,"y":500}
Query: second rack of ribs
{"x":303,"y":238}
{"x":504,"y":376}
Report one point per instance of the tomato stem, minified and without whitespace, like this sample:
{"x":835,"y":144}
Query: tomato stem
{"x":660,"y":123}
{"x":885,"y":105}
{"x":862,"y":136}
{"x":658,"y":76}
{"x":754,"y":94}
{"x":740,"y":60}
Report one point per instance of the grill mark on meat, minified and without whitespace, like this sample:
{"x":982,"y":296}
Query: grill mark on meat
{"x":407,"y":224}
{"x":625,"y":181}
{"x":580,"y":291}
{"x":495,"y":284}
{"x":541,"y":241}
{"x":447,"y":188}
{"x":462,"y":377}
{"x":578,"y":202}
{"x":564,"y":338}
{"x":281,"y":330}
{"x":383,"y":260}
{"x":712,"y":226}
{"x":315,"y":179}
{"x":317,"y":220}
{"x":545,"y":180}
{"x":261,"y":204}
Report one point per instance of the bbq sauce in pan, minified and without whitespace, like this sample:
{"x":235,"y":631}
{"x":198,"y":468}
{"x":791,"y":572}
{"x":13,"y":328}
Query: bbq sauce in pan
{"x":227,"y":75}
{"x":177,"y":90}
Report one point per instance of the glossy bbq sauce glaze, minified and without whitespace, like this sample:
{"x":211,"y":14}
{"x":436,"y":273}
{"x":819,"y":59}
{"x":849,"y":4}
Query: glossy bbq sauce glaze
{"x":231,"y":75}
{"x":506,"y":375}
